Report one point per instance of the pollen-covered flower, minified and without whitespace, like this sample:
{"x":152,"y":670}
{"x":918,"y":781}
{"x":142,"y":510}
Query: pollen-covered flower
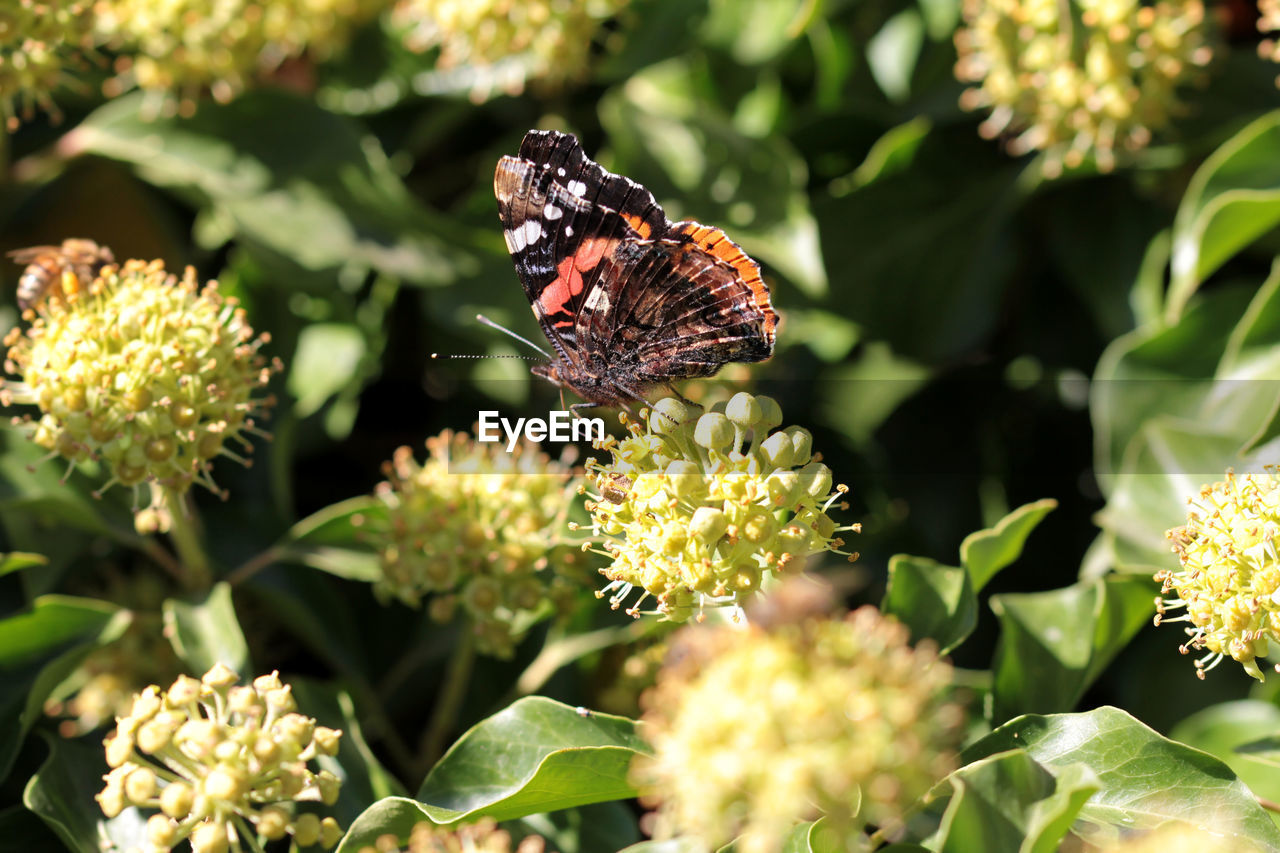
{"x":149,"y":374}
{"x":480,"y":837}
{"x":219,"y":761}
{"x":1096,"y":83}
{"x":188,"y":47}
{"x":1229,"y":580}
{"x":755,"y":728}
{"x":497,"y":46}
{"x":40,"y":41}
{"x":695,"y":509}
{"x":479,"y":527}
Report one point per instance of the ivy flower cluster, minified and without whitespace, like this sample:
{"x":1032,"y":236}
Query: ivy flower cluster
{"x":1080,"y":78}
{"x":1228,"y":583}
{"x":480,"y":837}
{"x":696,"y":508}
{"x":500,"y":45}
{"x":188,"y":47}
{"x":220,"y":761}
{"x":41,"y":42}
{"x":147,"y":373}
{"x":478,"y":527}
{"x":755,"y":728}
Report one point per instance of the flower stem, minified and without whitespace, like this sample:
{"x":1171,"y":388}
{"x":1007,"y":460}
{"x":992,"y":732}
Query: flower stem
{"x":183,"y":531}
{"x":450,"y":699}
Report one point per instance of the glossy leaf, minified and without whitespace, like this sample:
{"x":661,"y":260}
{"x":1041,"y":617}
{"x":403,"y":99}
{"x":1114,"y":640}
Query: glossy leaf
{"x":1009,"y":802}
{"x":1143,"y":779}
{"x":38,"y":649}
{"x":206,"y":633}
{"x":61,"y":793}
{"x":291,"y":177}
{"x":16,"y":561}
{"x":986,"y":552}
{"x":1231,"y":731}
{"x":1233,"y":199}
{"x":933,"y":600}
{"x":1054,"y":644}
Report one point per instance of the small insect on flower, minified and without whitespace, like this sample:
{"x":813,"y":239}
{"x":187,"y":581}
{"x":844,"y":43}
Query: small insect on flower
{"x":62,"y":269}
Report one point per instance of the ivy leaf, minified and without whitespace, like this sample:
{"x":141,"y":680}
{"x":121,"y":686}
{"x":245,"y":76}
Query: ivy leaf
{"x":62,"y":791}
{"x":1232,"y":200}
{"x":291,"y":177}
{"x":1009,"y":802}
{"x":205,"y":633}
{"x":1143,"y":778}
{"x":986,"y":552}
{"x":531,"y":757}
{"x":1229,"y":731}
{"x":41,"y":647}
{"x":16,"y":561}
{"x":1054,"y":644}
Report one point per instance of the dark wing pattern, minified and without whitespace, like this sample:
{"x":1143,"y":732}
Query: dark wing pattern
{"x":627,"y":298}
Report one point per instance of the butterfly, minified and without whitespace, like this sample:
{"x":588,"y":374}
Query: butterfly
{"x":627,"y":298}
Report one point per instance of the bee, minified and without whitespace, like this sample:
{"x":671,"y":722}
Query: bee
{"x":63,"y":269}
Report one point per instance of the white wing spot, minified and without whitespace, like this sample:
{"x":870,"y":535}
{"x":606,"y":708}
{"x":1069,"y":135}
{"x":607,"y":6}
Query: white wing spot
{"x":560,"y":171}
{"x":578,"y":188}
{"x":568,"y":231}
{"x":532,"y":232}
{"x":552,"y":212}
{"x":515,"y":240}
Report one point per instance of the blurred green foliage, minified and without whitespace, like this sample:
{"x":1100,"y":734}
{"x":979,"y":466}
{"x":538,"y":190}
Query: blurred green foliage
{"x":965,"y":337}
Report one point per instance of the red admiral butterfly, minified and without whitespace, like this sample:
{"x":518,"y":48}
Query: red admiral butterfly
{"x":627,"y":298}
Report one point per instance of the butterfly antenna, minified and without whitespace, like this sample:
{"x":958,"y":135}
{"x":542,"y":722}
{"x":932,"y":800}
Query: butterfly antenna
{"x":504,"y":329}
{"x":436,"y":355}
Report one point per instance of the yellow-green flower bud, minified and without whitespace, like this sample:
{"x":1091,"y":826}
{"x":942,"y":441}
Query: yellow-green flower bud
{"x":224,"y":775}
{"x":1228,"y":571}
{"x":206,"y":357}
{"x":306,"y":829}
{"x":697,"y":512}
{"x":161,"y":832}
{"x":867,"y":722}
{"x":40,"y":45}
{"x":479,"y":526}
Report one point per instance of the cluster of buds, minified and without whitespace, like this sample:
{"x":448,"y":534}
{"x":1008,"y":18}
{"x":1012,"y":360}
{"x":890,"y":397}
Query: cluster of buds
{"x":40,"y":41}
{"x":755,"y":728}
{"x":478,"y":526}
{"x":481,"y":837}
{"x":188,"y":47}
{"x":1269,"y":23}
{"x":1080,"y":78}
{"x":500,"y":45}
{"x":149,"y":374}
{"x":221,"y":761}
{"x":1229,"y":580}
{"x":696,"y":508}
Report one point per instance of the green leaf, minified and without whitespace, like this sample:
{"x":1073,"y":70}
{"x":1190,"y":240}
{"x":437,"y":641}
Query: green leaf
{"x":334,"y":539}
{"x":16,"y":561}
{"x":986,"y":552}
{"x":62,"y":791}
{"x":325,"y":361}
{"x":531,"y":757}
{"x":207,"y":632}
{"x":290,"y":176}
{"x":1233,"y":199}
{"x":933,"y":600}
{"x":879,"y":381}
{"x":893,"y":52}
{"x":670,"y":133}
{"x":1009,"y":802}
{"x":38,"y":650}
{"x":1230,"y":731}
{"x":1054,"y":644}
{"x":1143,"y":779}
{"x":774,"y":25}
{"x":21,"y":830}
{"x":544,"y":746}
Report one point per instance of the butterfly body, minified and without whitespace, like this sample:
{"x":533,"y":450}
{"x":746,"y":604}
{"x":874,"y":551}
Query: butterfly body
{"x":626,"y":298}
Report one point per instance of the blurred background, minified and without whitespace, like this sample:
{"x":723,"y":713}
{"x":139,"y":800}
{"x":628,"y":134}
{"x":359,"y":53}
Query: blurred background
{"x":959,"y":209}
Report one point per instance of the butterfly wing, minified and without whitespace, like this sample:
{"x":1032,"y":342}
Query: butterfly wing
{"x":562,"y":214}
